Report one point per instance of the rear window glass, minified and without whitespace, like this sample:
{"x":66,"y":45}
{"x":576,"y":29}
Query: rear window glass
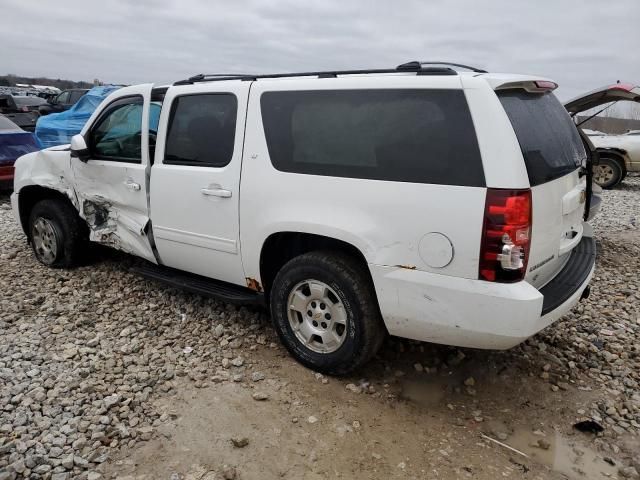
{"x":549,"y":140}
{"x":6,"y":124}
{"x":419,"y":136}
{"x":14,"y":145}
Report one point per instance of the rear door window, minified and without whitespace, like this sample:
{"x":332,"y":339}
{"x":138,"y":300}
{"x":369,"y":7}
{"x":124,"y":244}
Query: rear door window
{"x":419,"y":136}
{"x":549,"y":140}
{"x":201,"y":130}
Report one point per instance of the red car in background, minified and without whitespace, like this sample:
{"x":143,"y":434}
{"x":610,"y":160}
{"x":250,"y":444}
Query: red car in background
{"x":14,"y":142}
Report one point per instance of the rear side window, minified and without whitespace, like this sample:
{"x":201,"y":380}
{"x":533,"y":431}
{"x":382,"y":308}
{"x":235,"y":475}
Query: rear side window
{"x":419,"y":136}
{"x":202,"y":130}
{"x":550,"y":142}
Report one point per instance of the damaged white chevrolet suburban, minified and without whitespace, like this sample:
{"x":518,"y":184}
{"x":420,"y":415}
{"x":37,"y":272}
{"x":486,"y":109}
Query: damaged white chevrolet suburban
{"x":419,"y":201}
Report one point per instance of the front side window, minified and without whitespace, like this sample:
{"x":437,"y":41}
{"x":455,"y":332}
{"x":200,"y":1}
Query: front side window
{"x":117,"y":136}
{"x":418,"y":136}
{"x":201,"y":130}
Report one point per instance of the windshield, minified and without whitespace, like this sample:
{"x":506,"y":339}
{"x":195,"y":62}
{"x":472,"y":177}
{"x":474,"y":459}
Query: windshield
{"x":550,"y":142}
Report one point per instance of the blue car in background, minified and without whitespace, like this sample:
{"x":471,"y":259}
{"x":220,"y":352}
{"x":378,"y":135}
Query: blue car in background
{"x":58,"y":128}
{"x":14,"y":142}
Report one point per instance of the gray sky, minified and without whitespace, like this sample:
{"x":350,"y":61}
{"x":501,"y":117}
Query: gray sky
{"x":581,"y":44}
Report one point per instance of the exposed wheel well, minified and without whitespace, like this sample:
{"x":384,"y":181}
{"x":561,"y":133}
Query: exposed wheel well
{"x":281,"y":247}
{"x":29,"y":196}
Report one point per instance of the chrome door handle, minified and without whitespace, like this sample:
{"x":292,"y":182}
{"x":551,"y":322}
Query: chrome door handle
{"x":131,"y":185}
{"x":216,"y":192}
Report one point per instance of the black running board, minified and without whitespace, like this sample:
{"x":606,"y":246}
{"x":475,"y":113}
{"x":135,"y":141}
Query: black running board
{"x":191,"y":282}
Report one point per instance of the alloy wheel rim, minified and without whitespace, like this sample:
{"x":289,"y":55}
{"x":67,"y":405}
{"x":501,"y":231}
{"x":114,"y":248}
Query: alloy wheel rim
{"x":317,"y":316}
{"x":45,"y":241}
{"x":603,"y":174}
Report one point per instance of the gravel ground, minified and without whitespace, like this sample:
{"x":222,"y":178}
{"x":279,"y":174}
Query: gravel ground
{"x":87,"y":354}
{"x":600,"y":338}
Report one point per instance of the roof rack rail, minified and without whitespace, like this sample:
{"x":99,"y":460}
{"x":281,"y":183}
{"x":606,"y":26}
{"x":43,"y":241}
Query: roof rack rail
{"x":407,"y":67}
{"x":414,"y":64}
{"x":204,"y":77}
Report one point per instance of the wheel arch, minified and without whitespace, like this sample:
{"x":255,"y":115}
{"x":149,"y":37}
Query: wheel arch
{"x":280,"y":247}
{"x":29,"y":195}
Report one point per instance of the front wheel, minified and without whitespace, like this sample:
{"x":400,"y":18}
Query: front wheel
{"x":608,"y":173}
{"x":56,"y":233}
{"x":326,"y":313}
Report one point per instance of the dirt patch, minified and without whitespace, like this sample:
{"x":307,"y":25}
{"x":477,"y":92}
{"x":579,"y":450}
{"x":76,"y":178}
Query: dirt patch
{"x":394,"y":424}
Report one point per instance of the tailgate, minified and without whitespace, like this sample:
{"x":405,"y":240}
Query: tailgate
{"x":554,"y":156}
{"x":558,"y":209}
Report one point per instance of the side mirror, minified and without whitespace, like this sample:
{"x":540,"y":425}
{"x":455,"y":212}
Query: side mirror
{"x":79,"y":148}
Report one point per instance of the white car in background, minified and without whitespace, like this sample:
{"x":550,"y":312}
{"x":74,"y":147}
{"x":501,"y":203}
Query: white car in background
{"x":619,"y":154}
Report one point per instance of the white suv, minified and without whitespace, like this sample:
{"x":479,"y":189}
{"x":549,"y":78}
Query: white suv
{"x":419,"y":201}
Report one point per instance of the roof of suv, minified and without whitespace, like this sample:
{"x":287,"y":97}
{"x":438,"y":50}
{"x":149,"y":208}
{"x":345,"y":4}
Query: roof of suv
{"x":495,"y":80}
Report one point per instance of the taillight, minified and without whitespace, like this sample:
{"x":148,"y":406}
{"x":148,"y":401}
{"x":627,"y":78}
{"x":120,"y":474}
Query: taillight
{"x":506,"y":235}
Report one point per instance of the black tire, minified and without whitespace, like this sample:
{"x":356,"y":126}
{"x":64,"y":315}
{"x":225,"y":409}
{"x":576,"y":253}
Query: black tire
{"x":364,"y":329}
{"x":66,"y":230}
{"x":612,"y":168}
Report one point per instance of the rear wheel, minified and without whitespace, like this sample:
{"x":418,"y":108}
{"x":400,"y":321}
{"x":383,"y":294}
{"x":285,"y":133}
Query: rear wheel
{"x":326,"y":313}
{"x":608,"y":173}
{"x":56,"y":233}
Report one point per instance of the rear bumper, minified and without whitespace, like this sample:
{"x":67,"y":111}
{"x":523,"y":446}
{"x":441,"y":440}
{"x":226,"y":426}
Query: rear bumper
{"x":577,"y":269}
{"x":474,"y":313}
